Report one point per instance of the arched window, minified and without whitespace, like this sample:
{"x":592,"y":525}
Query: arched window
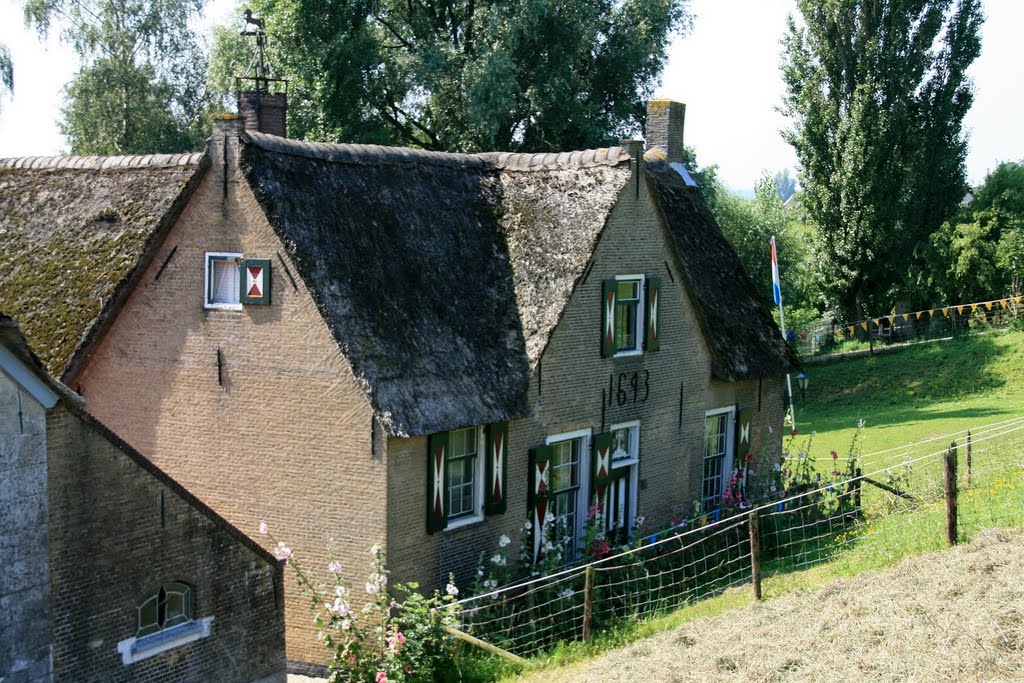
{"x":169,"y":606}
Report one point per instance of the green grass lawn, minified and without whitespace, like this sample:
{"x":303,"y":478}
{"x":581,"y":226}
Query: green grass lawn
{"x":913,"y":394}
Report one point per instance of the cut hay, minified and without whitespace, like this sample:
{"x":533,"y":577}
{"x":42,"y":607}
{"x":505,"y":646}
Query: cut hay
{"x":948,"y":616}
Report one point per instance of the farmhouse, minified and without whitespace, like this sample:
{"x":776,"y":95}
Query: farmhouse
{"x":365,"y":345}
{"x":115,"y":572}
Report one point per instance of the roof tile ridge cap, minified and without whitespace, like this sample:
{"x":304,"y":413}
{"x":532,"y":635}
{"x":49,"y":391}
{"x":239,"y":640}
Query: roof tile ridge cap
{"x":353,"y":152}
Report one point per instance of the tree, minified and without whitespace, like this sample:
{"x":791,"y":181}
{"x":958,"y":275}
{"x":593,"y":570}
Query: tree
{"x":785,"y":184}
{"x":140,"y":88}
{"x":466,"y":74}
{"x":877,"y":93}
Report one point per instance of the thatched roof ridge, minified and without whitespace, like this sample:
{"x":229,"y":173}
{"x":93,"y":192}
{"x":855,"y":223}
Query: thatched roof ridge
{"x":744,"y":340}
{"x":100,"y":163}
{"x":77,"y":233}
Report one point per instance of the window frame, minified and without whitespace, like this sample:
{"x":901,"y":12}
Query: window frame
{"x":727,"y":458}
{"x":144,"y":645}
{"x":638,"y":323}
{"x":208,"y":302}
{"x":477,"y":512}
{"x":583,"y":486}
{"x":633,"y":463}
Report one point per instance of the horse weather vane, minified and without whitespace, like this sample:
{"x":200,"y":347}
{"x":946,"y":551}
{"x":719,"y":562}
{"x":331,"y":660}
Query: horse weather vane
{"x":261,"y":45}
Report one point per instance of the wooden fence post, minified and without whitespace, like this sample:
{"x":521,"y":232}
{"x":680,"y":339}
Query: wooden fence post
{"x":968,"y":457}
{"x":755,"y":554}
{"x":951,"y":494}
{"x":588,"y":602}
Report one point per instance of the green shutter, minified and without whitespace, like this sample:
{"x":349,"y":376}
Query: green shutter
{"x":437,"y":482}
{"x":609,"y":292}
{"x":539,"y":497}
{"x":601,"y":469}
{"x":254,"y":281}
{"x":495,"y":495}
{"x":652,"y":319}
{"x":744,"y":422}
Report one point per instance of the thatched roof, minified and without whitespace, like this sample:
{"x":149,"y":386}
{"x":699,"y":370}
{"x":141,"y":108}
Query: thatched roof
{"x":744,"y":340}
{"x":75,"y":231}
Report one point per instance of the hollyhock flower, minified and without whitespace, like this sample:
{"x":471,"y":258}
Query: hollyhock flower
{"x":340,"y":591}
{"x":263,"y":528}
{"x":371,"y":587}
{"x":451,"y":590}
{"x":382,"y":579}
{"x":374,"y":549}
{"x":381,"y":677}
{"x":835,"y":456}
{"x":282,"y":552}
{"x":334,"y":567}
{"x":640,"y":520}
{"x":346,"y":624}
{"x":504,"y":541}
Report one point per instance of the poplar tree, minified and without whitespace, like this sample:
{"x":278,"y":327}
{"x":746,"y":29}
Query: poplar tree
{"x":876,"y":93}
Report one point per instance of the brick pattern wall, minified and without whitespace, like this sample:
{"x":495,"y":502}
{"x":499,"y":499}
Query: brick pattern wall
{"x":566,"y":395}
{"x":664,"y":127}
{"x":117,"y":532}
{"x":285,"y":437}
{"x":24,"y":585}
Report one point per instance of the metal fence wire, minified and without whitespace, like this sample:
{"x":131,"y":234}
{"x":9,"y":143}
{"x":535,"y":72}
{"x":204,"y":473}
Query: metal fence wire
{"x":909,"y":502}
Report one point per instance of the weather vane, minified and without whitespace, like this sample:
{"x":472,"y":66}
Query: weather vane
{"x":261,"y":46}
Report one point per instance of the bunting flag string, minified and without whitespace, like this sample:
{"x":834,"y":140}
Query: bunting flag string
{"x":1003,"y":303}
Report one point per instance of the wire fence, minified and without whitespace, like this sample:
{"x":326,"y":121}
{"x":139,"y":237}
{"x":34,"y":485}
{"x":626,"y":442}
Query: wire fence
{"x":823,"y":336}
{"x":914,"y":499}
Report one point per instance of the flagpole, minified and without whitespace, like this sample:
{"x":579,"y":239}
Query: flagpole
{"x":777,"y":291}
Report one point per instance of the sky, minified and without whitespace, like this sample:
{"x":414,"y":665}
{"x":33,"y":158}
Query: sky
{"x":726,"y":70}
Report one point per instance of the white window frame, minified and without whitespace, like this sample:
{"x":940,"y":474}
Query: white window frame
{"x":730,"y":449}
{"x":582,"y":494}
{"x":208,"y":302}
{"x":478,"y":484}
{"x":634,"y":476}
{"x":638,"y":331}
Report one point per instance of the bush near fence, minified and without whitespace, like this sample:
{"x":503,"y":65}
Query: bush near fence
{"x":906,"y":503}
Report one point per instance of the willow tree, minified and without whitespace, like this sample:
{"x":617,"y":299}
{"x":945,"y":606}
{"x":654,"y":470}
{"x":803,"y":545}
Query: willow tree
{"x":877,"y":93}
{"x":140,"y":87}
{"x":465,"y":74}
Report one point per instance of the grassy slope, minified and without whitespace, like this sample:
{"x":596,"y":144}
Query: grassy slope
{"x":915,"y":393}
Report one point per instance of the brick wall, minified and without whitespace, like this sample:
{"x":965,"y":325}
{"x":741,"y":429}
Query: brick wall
{"x":285,"y":436}
{"x":567,"y":394}
{"x":118,"y":530}
{"x":24,"y":582}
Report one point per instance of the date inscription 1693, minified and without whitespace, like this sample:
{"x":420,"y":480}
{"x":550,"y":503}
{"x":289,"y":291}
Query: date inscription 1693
{"x":635,"y":387}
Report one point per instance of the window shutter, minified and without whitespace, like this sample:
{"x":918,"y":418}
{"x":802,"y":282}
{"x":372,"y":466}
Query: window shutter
{"x":539,"y":494}
{"x":437,"y":482}
{"x":610,"y":288}
{"x":495,"y":500}
{"x":254,"y":281}
{"x":601,"y":470}
{"x":744,"y":419}
{"x":651,"y":320}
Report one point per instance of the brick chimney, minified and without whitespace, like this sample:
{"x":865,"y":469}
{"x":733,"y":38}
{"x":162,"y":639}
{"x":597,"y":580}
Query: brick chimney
{"x":264,"y":111}
{"x":664,"y":129}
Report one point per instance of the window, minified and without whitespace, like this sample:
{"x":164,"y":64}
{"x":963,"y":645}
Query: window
{"x":569,"y":478}
{"x":718,"y":447}
{"x":624,"y":481}
{"x":463,"y":473}
{"x":629,"y":315}
{"x":170,"y":606}
{"x":222,"y":280}
{"x":164,"y":620}
{"x":459,"y":463}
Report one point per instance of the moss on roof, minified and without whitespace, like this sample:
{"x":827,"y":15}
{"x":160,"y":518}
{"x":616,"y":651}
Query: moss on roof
{"x":74,"y":237}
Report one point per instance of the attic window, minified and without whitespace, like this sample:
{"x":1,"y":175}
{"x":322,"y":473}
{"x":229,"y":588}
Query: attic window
{"x":222,"y":280}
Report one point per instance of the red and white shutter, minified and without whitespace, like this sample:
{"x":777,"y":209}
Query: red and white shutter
{"x":540,"y":495}
{"x":254,"y":281}
{"x":601,"y":471}
{"x":609,"y":291}
{"x":651,"y":318}
{"x":496,"y":498}
{"x":437,"y":482}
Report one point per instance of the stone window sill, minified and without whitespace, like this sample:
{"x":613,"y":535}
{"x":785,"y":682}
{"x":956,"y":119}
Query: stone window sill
{"x":136,"y":649}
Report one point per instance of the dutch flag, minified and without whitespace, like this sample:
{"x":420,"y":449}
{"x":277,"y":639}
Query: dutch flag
{"x":776,"y":287}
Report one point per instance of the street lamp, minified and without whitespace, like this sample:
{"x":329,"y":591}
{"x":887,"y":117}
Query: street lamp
{"x":802,"y":380}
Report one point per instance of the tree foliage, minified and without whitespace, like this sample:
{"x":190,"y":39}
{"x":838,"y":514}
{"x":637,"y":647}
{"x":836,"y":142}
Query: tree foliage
{"x":465,"y":74}
{"x":877,"y":93}
{"x":140,"y":87}
{"x":980,"y":254}
{"x":6,"y":70}
{"x":785,"y":184}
